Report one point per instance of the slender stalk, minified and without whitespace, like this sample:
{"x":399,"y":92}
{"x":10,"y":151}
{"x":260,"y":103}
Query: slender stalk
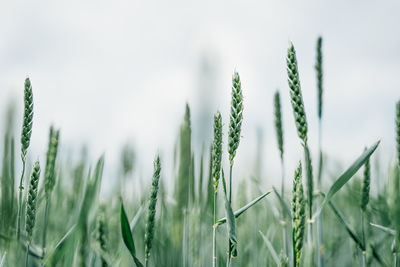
{"x":284,"y":224}
{"x":309,"y":182}
{"x":215,"y":231}
{"x":25,"y":141}
{"x":284,"y":235}
{"x":27,"y":255}
{"x":230,"y":183}
{"x":282,"y":178}
{"x":21,"y":189}
{"x":216,"y":156}
{"x":46,"y":219}
{"x":394,"y":251}
{"x":320,"y":220}
{"x":228,"y":262}
{"x":320,"y":240}
{"x":364,"y":253}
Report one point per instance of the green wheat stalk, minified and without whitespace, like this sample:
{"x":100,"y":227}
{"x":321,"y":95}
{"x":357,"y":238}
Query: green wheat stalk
{"x":49,"y":177}
{"x":319,"y":72}
{"x":236,"y":117}
{"x":235,"y":126}
{"x":319,"y":76}
{"x":30,"y":217}
{"x":279,"y":135}
{"x":298,"y":215}
{"x":149,"y":234}
{"x":300,"y":118}
{"x":396,"y":190}
{"x":364,"y":203}
{"x":25,"y":140}
{"x":216,"y":174}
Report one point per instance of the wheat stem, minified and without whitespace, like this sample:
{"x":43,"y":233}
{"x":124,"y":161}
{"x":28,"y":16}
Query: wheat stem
{"x":214,"y":259}
{"x":148,"y":238}
{"x":25,"y":141}
{"x":216,"y":156}
{"x":298,"y":215}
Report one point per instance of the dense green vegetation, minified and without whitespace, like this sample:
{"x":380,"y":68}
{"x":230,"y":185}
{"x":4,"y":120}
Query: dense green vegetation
{"x":51,"y":213}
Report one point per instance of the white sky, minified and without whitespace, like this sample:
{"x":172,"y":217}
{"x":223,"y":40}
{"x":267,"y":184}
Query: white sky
{"x":110,"y":71}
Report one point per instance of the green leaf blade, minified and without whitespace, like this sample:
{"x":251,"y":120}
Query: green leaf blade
{"x":127,"y":236}
{"x":346,"y":176}
{"x":231,"y":224}
{"x":245,"y":207}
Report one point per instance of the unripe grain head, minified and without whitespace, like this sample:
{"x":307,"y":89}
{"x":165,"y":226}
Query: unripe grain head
{"x":31,"y":201}
{"x":298,"y":213}
{"x":148,"y":238}
{"x":49,"y":173}
{"x":236,"y":117}
{"x":217,"y":150}
{"x":278,"y":121}
{"x":366,"y":186}
{"x":318,"y":68}
{"x":28,"y":119}
{"x":295,"y":94}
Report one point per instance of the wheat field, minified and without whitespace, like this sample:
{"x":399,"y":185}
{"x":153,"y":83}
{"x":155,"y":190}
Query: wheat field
{"x":52,"y":213}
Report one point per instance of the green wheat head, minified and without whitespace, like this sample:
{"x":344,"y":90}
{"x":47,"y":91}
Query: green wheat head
{"x":318,"y":68}
{"x":217,"y":150}
{"x":366,"y":186}
{"x":236,"y":117}
{"x":295,"y":94}
{"x":148,"y":238}
{"x":31,"y":201}
{"x":298,"y":213}
{"x":28,"y":119}
{"x":278,"y":121}
{"x":49,"y":172}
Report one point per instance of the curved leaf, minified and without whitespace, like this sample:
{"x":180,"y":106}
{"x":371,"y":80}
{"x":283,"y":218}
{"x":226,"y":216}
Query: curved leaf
{"x":231,"y":222}
{"x":56,"y":253}
{"x":271,"y":249}
{"x":127,"y":236}
{"x":346,"y":176}
{"x":350,"y":231}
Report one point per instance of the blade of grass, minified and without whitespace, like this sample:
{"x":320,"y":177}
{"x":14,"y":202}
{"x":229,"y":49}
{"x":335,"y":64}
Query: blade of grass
{"x":384,"y":229}
{"x":244,"y":208}
{"x":58,"y":251}
{"x":349,"y":230}
{"x":270,"y":248}
{"x":231,"y":222}
{"x":127,"y":236}
{"x":346,"y":176}
{"x":135,"y":219}
{"x":284,"y":205}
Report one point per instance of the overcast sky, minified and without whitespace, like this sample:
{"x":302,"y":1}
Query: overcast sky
{"x":110,"y":71}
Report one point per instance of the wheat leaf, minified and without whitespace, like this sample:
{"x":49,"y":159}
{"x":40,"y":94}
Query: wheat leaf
{"x":271,"y":249}
{"x":346,"y":176}
{"x":127,"y":236}
{"x":245,"y":207}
